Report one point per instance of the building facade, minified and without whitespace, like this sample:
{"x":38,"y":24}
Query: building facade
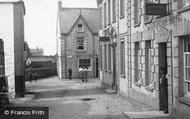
{"x":77,"y":41}
{"x":37,"y":52}
{"x":12,"y":45}
{"x":155,"y":46}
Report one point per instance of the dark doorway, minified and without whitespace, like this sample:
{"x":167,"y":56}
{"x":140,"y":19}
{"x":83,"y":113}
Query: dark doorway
{"x":163,"y":82}
{"x":97,"y":72}
{"x":114,"y":84}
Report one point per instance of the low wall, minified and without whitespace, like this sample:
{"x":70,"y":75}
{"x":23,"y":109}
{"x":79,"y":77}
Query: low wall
{"x":41,"y":72}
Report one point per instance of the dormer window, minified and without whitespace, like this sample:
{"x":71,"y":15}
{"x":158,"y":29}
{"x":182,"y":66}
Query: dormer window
{"x":80,"y":28}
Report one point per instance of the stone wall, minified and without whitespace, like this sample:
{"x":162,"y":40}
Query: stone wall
{"x":7,"y":35}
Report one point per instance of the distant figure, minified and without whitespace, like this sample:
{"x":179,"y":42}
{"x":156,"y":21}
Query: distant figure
{"x":86,"y":74}
{"x":164,"y":90}
{"x":35,"y":77}
{"x":70,"y":73}
{"x":30,"y":77}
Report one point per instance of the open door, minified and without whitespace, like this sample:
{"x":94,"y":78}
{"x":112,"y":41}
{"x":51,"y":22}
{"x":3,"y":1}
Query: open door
{"x":163,"y":82}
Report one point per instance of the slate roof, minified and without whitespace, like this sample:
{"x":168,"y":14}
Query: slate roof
{"x":68,"y":17}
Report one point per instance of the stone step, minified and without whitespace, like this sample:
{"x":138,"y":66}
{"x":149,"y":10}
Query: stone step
{"x":178,"y":113}
{"x":147,"y":115}
{"x":110,"y":91}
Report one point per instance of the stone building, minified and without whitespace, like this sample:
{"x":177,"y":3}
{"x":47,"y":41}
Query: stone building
{"x":154,"y":46}
{"x":12,"y":45}
{"x":113,"y":27}
{"x":77,"y":40}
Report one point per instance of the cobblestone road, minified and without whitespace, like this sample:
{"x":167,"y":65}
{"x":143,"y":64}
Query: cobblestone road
{"x":73,"y":99}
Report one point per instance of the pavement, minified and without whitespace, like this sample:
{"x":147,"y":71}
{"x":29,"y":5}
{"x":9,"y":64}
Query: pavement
{"x":74,"y":99}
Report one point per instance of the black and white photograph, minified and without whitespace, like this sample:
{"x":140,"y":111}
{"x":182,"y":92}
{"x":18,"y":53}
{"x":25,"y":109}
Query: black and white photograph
{"x":94,"y":59}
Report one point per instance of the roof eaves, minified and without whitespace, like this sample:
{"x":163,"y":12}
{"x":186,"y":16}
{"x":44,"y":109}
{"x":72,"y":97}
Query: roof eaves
{"x":80,"y":16}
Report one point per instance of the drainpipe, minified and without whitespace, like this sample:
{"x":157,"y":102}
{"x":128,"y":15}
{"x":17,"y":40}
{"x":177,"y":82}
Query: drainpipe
{"x":65,"y":57}
{"x":94,"y":60}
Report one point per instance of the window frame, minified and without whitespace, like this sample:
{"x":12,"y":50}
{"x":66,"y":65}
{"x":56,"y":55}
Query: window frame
{"x":137,"y":62}
{"x":109,"y":58}
{"x":114,"y":10}
{"x":82,"y":28}
{"x":80,"y":45}
{"x":105,"y":14}
{"x":186,"y":66}
{"x":109,"y":11}
{"x":105,"y":57}
{"x":122,"y":57}
{"x":122,"y":8}
{"x":83,"y":62}
{"x":137,"y":16}
{"x":148,"y":65}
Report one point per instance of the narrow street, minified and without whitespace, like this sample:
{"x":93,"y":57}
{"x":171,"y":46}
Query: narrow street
{"x":74,"y":99}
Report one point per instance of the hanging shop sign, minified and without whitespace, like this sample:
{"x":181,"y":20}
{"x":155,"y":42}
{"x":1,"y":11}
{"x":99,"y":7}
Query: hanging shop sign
{"x":104,"y":39}
{"x":155,"y":9}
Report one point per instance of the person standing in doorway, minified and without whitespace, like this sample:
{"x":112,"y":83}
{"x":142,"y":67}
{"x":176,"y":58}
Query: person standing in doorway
{"x":70,"y":73}
{"x":164,"y":90}
{"x":30,"y":77}
{"x":35,"y":77}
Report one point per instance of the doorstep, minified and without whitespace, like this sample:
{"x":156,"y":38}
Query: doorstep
{"x":111,"y":91}
{"x":147,"y":115}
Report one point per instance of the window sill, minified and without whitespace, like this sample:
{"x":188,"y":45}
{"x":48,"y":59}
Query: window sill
{"x":185,"y":100}
{"x":123,"y":16}
{"x":80,"y":50}
{"x":147,"y":22}
{"x":137,"y":84}
{"x":149,"y":88}
{"x":109,"y":71}
{"x":80,"y":31}
{"x":114,"y":21}
{"x":137,"y":24}
{"x":183,"y":9}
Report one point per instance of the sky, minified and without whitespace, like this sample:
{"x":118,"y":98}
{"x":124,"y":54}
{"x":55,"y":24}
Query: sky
{"x":40,"y":22}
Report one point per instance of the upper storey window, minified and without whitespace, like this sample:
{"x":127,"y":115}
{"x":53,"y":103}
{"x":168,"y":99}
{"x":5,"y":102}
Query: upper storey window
{"x":80,"y":28}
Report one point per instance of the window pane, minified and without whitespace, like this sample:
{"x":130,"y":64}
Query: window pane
{"x":122,"y":58}
{"x":136,"y":11}
{"x":84,"y":63}
{"x":109,"y":57}
{"x":187,"y":60}
{"x":186,"y":44}
{"x":114,"y":9}
{"x":80,"y":43}
{"x":187,"y":72}
{"x":187,"y":87}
